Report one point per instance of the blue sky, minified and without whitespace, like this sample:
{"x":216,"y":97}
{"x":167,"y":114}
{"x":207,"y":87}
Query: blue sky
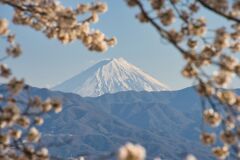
{"x":47,"y":62}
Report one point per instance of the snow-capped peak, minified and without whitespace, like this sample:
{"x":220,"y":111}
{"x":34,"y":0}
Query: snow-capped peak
{"x":110,"y":76}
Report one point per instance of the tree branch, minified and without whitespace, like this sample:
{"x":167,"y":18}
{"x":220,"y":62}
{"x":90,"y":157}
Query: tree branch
{"x":162,"y":31}
{"x":227,"y":16}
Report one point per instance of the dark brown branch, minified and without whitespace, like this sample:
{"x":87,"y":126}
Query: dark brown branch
{"x":162,"y":31}
{"x":178,"y":12}
{"x":22,"y":8}
{"x":227,"y":16}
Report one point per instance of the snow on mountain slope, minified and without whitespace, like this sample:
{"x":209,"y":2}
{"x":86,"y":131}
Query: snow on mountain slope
{"x":110,"y":76}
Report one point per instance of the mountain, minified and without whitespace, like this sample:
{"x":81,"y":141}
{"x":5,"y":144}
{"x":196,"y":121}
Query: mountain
{"x":166,"y":123}
{"x":110,"y":76}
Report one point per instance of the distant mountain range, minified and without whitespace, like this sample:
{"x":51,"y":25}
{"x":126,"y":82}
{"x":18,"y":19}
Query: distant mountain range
{"x":121,"y":103}
{"x":166,"y":123}
{"x":110,"y":76}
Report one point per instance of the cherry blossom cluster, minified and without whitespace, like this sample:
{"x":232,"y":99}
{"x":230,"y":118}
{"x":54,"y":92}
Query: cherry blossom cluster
{"x":19,"y":119}
{"x":212,"y":61}
{"x":63,"y":23}
{"x":19,"y":136}
{"x":131,"y":152}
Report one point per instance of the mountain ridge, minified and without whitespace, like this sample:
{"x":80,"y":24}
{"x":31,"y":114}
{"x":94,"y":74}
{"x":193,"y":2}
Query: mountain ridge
{"x":99,"y":125}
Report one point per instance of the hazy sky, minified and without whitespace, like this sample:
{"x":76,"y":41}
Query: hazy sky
{"x":46,"y":62}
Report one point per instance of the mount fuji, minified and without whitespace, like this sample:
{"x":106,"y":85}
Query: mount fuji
{"x":110,"y":76}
